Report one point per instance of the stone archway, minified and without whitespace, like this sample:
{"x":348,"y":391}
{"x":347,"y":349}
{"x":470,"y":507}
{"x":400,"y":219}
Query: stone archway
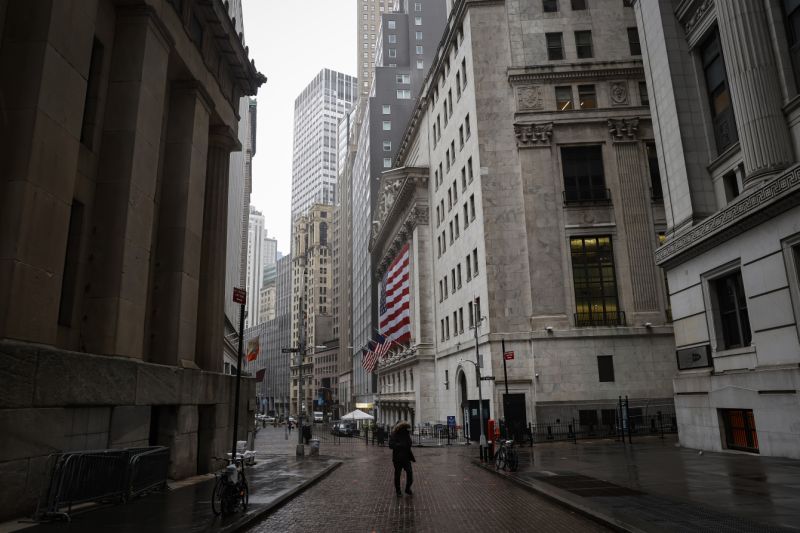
{"x":463,"y":398}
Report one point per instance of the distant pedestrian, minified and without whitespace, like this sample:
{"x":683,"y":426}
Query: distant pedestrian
{"x":381,"y":435}
{"x":402,"y":456}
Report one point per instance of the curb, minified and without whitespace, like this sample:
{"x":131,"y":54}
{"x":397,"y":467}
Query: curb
{"x":563,"y":498}
{"x":249,"y":518}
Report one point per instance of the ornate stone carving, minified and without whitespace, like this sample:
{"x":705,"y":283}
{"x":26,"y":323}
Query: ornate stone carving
{"x":623,"y":129}
{"x":697,"y":16}
{"x":529,"y":98}
{"x":532,"y":135}
{"x":735,"y":218}
{"x":619,"y":93}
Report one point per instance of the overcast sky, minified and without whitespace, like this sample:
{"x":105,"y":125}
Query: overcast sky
{"x":291,"y":41}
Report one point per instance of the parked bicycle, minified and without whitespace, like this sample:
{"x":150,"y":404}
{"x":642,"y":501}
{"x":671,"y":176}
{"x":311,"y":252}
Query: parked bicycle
{"x":506,"y":457}
{"x":230,"y":489}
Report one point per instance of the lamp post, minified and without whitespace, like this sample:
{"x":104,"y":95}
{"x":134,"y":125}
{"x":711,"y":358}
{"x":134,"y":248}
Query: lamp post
{"x":477,"y":363}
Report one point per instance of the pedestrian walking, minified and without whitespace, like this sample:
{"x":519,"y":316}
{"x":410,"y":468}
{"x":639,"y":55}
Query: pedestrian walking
{"x":402,"y":456}
{"x":381,"y":434}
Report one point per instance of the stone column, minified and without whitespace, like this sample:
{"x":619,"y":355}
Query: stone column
{"x":122,"y":225}
{"x":633,"y":206}
{"x":755,"y":88}
{"x":211,"y":304}
{"x":173,"y":314}
{"x":45,"y":48}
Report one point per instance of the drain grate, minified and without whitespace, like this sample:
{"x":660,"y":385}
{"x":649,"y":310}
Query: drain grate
{"x":588,"y":486}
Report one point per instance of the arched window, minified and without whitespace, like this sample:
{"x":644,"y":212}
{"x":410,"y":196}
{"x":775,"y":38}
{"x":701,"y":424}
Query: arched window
{"x":323,"y":233}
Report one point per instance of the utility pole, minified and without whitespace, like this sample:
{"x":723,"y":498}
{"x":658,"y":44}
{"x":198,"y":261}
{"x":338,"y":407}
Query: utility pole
{"x":482,"y":445}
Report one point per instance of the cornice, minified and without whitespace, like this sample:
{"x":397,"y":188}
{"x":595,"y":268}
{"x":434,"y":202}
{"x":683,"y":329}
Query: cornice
{"x":395,"y":193}
{"x":575,"y":72}
{"x":749,"y":210}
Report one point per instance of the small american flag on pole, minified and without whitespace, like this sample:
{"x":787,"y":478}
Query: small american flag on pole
{"x":394,"y":320}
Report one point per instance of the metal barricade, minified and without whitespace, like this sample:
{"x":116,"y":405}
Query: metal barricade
{"x":99,"y":476}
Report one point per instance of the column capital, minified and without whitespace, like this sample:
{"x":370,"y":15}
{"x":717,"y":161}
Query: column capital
{"x":131,"y":12}
{"x":196,"y":88}
{"x":224,"y":138}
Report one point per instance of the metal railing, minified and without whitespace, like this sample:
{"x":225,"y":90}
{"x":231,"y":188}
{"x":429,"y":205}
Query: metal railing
{"x":602,"y":318}
{"x":99,"y":476}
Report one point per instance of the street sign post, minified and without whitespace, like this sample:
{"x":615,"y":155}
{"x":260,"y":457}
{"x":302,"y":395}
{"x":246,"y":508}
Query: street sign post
{"x":290,"y":350}
{"x":240,"y":297}
{"x":487,"y":378}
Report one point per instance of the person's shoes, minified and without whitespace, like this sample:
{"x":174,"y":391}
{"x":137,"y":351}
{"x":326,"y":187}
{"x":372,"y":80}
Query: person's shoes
{"x":399,"y":494}
{"x":408,"y":491}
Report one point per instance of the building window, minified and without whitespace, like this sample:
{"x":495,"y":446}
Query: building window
{"x":469,"y":270}
{"x":466,"y":217}
{"x":461,"y":137}
{"x":555,"y":47}
{"x":474,"y":262}
{"x":633,"y":42}
{"x":92,"y":100}
{"x":656,"y":193}
{"x":387,"y":146}
{"x":420,"y":64}
{"x":578,"y":5}
{"x":550,"y":6}
{"x":467,"y":126}
{"x":196,"y":30}
{"x":605,"y":369}
{"x":583,"y":44}
{"x":404,"y":79}
{"x":418,"y":35}
{"x":387,"y":110}
{"x":69,"y":277}
{"x":584,"y":180}
{"x":564,"y":98}
{"x":643,"y":98}
{"x":464,"y":71}
{"x":472,"y":206}
{"x":417,"y":6}
{"x":740,"y":429}
{"x":417,"y":21}
{"x":587,"y":96}
{"x":392,"y":52}
{"x":730,"y":182}
{"x":595,"y":282}
{"x":719,"y":95}
{"x":387,"y":162}
{"x":791,"y":9}
{"x":731,"y":312}
{"x":392,"y":24}
{"x":392,"y":39}
{"x":387,"y":125}
{"x":469,"y":169}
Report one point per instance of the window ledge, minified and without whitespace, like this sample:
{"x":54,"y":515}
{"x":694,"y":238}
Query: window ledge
{"x":734,"y":351}
{"x":724,"y":159}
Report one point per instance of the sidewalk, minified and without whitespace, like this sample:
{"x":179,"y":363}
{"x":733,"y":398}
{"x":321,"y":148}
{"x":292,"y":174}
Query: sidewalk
{"x":654,"y":485}
{"x":187,"y":507}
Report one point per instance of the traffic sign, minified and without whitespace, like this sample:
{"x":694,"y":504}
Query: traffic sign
{"x":290,"y":350}
{"x":508,"y":356}
{"x":239,"y":295}
{"x":487,"y":378}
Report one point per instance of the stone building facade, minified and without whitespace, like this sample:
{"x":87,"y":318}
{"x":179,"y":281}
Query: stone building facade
{"x":312,"y":273}
{"x":544,"y":217}
{"x":724,"y":79}
{"x":117,"y":122}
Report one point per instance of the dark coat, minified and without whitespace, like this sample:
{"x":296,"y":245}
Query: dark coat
{"x":400,"y":443}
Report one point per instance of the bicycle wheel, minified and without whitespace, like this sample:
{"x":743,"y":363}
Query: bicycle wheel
{"x":512,"y":461}
{"x":500,"y":459}
{"x":244,"y":494}
{"x":216,"y":497}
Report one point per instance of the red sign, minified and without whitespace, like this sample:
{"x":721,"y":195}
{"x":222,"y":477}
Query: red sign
{"x":239,"y":296}
{"x":508,"y":356}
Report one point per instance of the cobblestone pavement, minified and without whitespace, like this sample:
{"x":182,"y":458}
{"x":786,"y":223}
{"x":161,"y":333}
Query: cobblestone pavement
{"x":450,"y":494}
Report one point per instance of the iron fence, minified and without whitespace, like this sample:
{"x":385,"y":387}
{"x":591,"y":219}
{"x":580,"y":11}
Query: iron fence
{"x":99,"y":476}
{"x":344,"y":434}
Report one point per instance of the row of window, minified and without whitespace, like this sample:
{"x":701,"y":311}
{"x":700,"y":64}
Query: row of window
{"x":584,"y":47}
{"x":471,"y":262}
{"x":552,"y":6}
{"x":473,"y":312}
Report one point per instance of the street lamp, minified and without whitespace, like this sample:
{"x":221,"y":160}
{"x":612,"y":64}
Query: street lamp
{"x":477,"y":363}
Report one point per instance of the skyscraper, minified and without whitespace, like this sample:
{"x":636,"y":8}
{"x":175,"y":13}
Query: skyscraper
{"x":368,"y":26}
{"x":317,"y":111}
{"x":261,"y":252}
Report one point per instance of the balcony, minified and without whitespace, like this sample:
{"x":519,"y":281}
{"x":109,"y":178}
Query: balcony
{"x":608,"y":318}
{"x":577,"y":197}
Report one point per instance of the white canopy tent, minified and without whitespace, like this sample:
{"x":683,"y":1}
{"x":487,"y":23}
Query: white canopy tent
{"x":358,"y":415}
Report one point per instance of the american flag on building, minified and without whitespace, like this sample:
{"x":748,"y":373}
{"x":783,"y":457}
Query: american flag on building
{"x":394,"y":320}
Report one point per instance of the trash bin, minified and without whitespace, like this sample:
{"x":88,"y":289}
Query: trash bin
{"x":314,"y":447}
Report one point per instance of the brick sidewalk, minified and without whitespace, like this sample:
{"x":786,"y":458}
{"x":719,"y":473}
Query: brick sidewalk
{"x":653,"y":485}
{"x":450,"y":494}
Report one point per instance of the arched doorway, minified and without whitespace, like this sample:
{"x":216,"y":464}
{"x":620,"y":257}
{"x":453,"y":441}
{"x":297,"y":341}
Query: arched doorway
{"x":463,"y":411}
